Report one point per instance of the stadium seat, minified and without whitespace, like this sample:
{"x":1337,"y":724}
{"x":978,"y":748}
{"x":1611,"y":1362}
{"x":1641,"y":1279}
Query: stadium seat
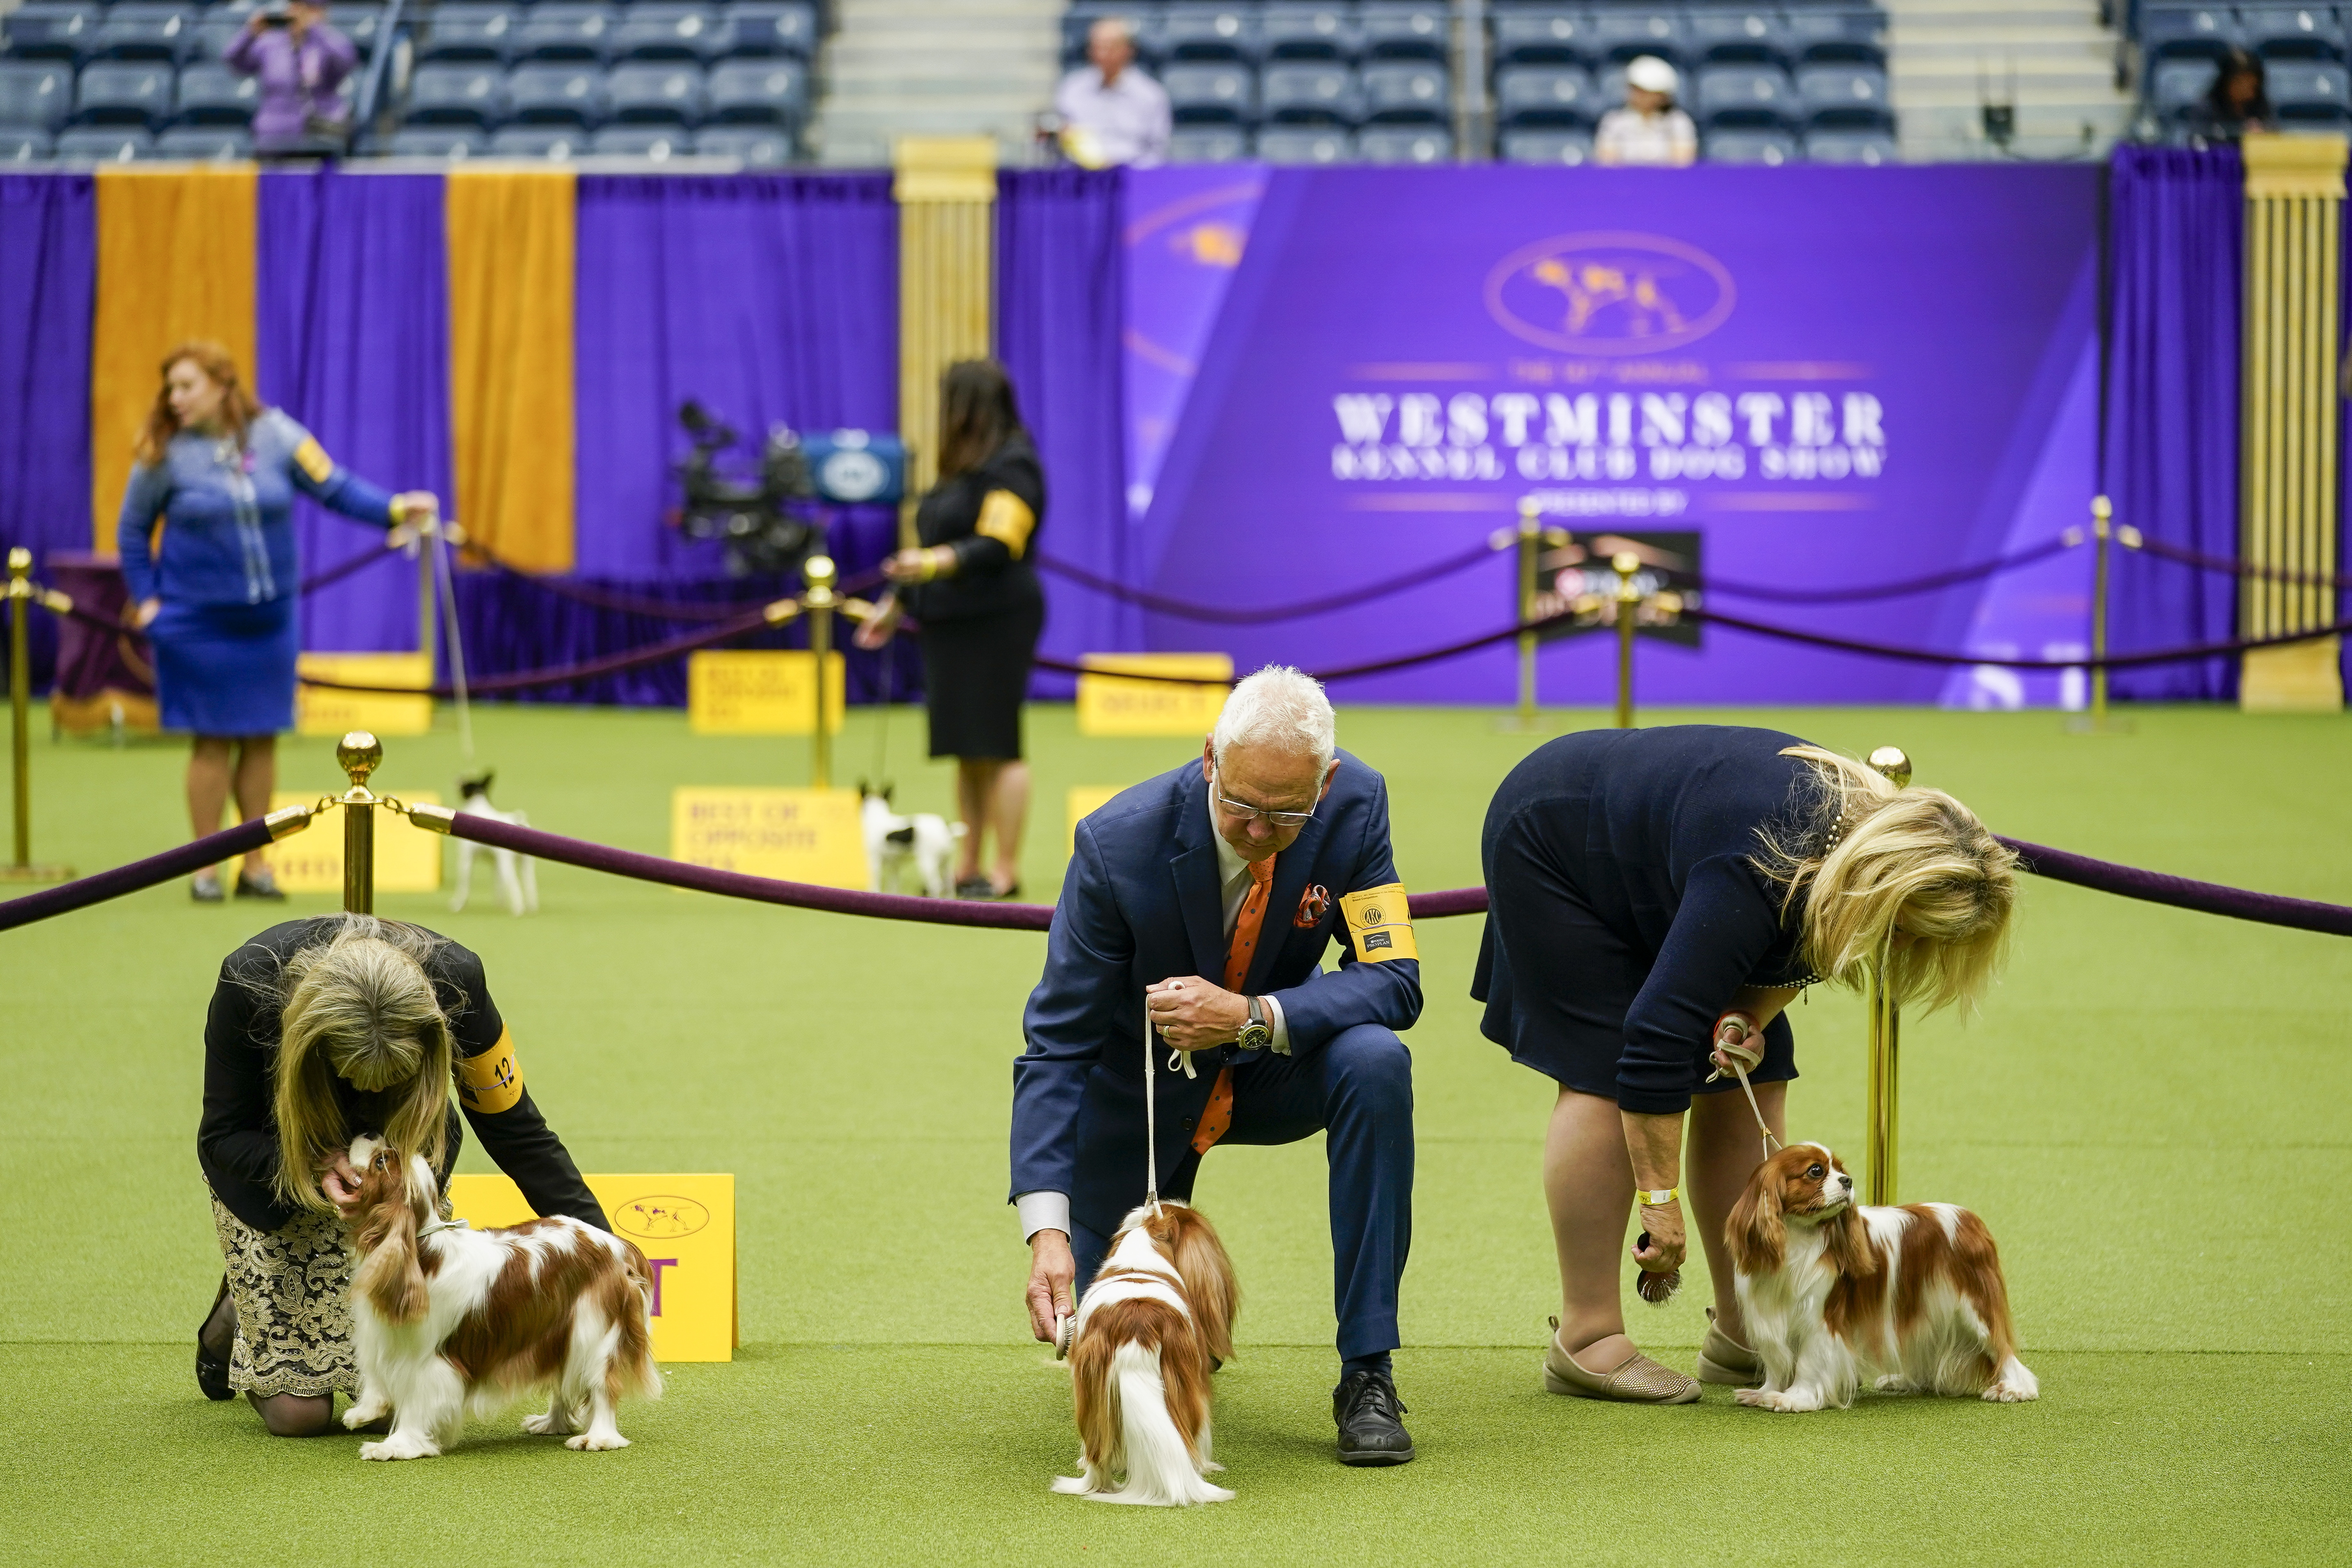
{"x":436,"y":141}
{"x":2293,"y":32}
{"x":1855,"y":34}
{"x":466,"y":92}
{"x":1739,"y":37}
{"x":761,"y":28}
{"x":1621,"y":34}
{"x":1752,"y":96}
{"x":2186,"y":32}
{"x":1405,"y":92}
{"x":52,"y":30}
{"x":758,"y":92}
{"x":1547,"y":95}
{"x":1542,"y":37}
{"x":25,"y":145}
{"x":1219,"y":92}
{"x":212,"y":94}
{"x":559,"y":142}
{"x":1404,"y":144}
{"x":1844,"y":95}
{"x":565,"y":31}
{"x":1402,"y":30}
{"x":104,"y":144}
{"x":2175,"y":84}
{"x":220,"y":143}
{"x":642,"y":142}
{"x":1208,"y":144}
{"x":1209,"y":32}
{"x":556,"y":92}
{"x":2310,"y":94}
{"x":124,"y":92}
{"x":1851,"y":147}
{"x":36,"y":95}
{"x":461,"y":30}
{"x":359,"y":24}
{"x":1554,"y":147}
{"x":216,"y":28}
{"x":1306,"y":144}
{"x":1749,"y":145}
{"x":1310,"y":93}
{"x":1309,"y":32}
{"x":666,"y":32}
{"x":145,"y":30}
{"x":656,"y":93}
{"x":756,"y":146}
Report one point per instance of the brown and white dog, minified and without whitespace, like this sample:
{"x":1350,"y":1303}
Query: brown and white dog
{"x":449,"y":1320}
{"x":1833,"y":1291}
{"x":1156,"y":1321}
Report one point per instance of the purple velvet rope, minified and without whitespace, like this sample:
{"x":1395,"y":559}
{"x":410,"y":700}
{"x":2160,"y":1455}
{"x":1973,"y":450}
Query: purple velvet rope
{"x":2222,"y":564}
{"x":132,"y":878}
{"x":2180,"y":892}
{"x":1182,"y":609}
{"x":1930,"y":656}
{"x":524,"y":680}
{"x":1713,"y":584}
{"x":341,"y":570}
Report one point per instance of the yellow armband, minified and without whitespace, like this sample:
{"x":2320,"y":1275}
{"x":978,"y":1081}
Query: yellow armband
{"x":1006,"y":518}
{"x":312,"y":459}
{"x":1380,"y":923}
{"x":492,"y":1081}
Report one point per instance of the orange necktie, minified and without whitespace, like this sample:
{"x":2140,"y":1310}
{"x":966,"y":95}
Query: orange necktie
{"x":1219,"y":1116}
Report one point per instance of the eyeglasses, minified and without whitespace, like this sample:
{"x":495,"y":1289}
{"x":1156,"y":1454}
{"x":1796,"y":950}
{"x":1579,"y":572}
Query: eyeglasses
{"x":1283,"y":819}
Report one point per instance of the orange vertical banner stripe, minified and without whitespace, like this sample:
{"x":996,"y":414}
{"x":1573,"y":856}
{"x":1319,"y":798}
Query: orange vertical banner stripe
{"x":510,"y":240}
{"x":175,"y":252}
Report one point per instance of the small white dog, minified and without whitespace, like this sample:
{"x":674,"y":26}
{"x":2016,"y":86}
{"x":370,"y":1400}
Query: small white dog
{"x":517,"y":878}
{"x":924,"y":843}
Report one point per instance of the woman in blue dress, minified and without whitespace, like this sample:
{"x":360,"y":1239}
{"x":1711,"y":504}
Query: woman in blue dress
{"x":217,"y":598}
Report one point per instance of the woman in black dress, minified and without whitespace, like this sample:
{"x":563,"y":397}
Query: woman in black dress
{"x":321,"y":1030}
{"x":972,"y":589}
{"x":1659,"y":893}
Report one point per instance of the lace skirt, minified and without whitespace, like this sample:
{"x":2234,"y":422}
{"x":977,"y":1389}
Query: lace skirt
{"x":292,"y":1291}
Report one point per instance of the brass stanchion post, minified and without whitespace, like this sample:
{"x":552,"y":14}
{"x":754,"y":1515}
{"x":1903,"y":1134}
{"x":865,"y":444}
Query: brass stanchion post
{"x":1629,"y":599}
{"x":20,"y":867}
{"x":2097,"y":723}
{"x":1886,"y":1034}
{"x":821,"y":603}
{"x":1531,"y":542}
{"x":359,"y":754}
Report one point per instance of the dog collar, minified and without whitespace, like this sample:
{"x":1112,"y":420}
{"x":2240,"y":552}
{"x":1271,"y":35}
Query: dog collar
{"x":424,"y":1230}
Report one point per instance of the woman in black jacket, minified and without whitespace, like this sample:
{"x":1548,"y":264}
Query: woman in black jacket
{"x":971,"y":587}
{"x":321,"y":1030}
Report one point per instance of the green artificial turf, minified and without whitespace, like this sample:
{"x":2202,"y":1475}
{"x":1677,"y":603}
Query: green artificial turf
{"x":2151,"y":1114}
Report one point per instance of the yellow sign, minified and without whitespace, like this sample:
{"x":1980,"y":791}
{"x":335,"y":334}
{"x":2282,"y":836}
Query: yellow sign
{"x":407,"y":857}
{"x":686,"y":1227}
{"x":1084,"y":799}
{"x":322,"y":711}
{"x":798,"y":835}
{"x":760,"y":691}
{"x":1108,"y":706}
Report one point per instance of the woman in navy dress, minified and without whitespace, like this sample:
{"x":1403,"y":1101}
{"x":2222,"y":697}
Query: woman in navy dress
{"x":1657,"y":893}
{"x":217,"y":600}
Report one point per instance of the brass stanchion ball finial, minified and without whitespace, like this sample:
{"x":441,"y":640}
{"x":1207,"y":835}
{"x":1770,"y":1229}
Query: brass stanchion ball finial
{"x":1894,"y":763}
{"x":20,"y":561}
{"x":359,"y":754}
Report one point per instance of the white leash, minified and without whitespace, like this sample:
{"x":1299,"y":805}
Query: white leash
{"x":439,"y":545}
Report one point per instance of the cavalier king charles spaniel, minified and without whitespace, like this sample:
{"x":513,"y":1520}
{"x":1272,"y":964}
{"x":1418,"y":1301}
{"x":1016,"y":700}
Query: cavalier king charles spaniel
{"x":449,"y":1320}
{"x":1156,"y":1321}
{"x":1833,"y":1291}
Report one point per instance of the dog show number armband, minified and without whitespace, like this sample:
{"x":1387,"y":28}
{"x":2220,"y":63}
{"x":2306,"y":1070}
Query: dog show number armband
{"x":492,"y":1081}
{"x":1379,"y":923}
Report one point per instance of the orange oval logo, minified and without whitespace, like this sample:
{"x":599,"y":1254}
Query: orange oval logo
{"x":1610,"y":293}
{"x":661,"y":1218}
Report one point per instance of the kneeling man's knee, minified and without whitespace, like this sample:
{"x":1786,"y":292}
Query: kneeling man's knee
{"x":1369,"y":1059}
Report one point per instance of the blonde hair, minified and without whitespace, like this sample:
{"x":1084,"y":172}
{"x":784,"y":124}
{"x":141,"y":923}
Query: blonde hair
{"x":359,"y":1007}
{"x":1911,"y":854}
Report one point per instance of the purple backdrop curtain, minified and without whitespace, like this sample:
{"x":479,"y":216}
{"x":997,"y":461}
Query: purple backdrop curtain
{"x":2177,"y":225}
{"x":1060,"y":310}
{"x":353,"y":328}
{"x":49,"y":270}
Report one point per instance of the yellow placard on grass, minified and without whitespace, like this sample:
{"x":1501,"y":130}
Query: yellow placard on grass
{"x":799,"y":834}
{"x":760,"y":691}
{"x":685,"y":1224}
{"x":407,"y":857}
{"x":322,"y":711}
{"x":1084,"y":799}
{"x":1109,"y":706}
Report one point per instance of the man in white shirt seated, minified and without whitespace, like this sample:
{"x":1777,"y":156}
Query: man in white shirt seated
{"x":1111,"y":112}
{"x":1649,"y":129}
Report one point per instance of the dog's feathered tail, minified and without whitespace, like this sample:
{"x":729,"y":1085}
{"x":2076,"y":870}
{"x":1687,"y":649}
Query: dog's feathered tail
{"x":633,"y":1371}
{"x":1160,"y":1469}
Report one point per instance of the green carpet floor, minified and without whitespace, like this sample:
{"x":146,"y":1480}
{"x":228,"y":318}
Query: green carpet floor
{"x":2151,"y":1114}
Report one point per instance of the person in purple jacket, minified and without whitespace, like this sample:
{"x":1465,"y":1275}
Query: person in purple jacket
{"x":300,"y":61}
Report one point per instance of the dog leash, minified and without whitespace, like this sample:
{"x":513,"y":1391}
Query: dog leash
{"x":436,"y":541}
{"x":1743,"y":1058}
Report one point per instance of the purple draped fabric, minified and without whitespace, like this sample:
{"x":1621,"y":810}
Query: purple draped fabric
{"x":2177,"y":222}
{"x":48,"y":271}
{"x":1060,"y":313}
{"x":352,"y":323}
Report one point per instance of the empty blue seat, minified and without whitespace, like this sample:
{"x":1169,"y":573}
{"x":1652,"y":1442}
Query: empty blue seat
{"x":124,"y":92}
{"x":1855,"y":33}
{"x":359,"y":24}
{"x":1542,"y":37}
{"x":460,"y":30}
{"x":1746,"y":95}
{"x":2310,"y":94}
{"x":52,"y":29}
{"x":1405,"y":92}
{"x":759,"y":92}
{"x":456,"y":93}
{"x":217,"y":28}
{"x":1218,"y":92}
{"x":145,"y":30}
{"x":1621,"y":35}
{"x":25,"y":146}
{"x":104,"y":144}
{"x":212,"y":94}
{"x":1209,"y":32}
{"x":666,"y":32}
{"x":1851,"y":147}
{"x":659,"y":92}
{"x":2186,"y":31}
{"x":2175,"y":84}
{"x":565,"y":31}
{"x":1296,"y":31}
{"x":1306,"y":144}
{"x":1208,"y":144}
{"x":2293,"y":32}
{"x":437,"y":142}
{"x":556,"y":92}
{"x":1750,"y":36}
{"x":1404,"y":144}
{"x":1561,"y":96}
{"x":655,"y":142}
{"x":759,"y":28}
{"x":36,"y":95}
{"x":1749,"y":145}
{"x":1309,"y":92}
{"x":559,"y":142}
{"x":1561,"y":147}
{"x":756,"y":146}
{"x":219,"y":144}
{"x":1403,"y":30}
{"x":1848,"y":95}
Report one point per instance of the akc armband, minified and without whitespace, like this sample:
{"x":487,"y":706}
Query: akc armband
{"x":1379,"y":923}
{"x":492,"y":1081}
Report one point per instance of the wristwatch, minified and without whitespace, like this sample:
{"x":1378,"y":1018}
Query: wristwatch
{"x":1257,"y":1035}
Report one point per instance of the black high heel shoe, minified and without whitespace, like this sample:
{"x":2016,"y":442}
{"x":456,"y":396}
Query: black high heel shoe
{"x":211,"y":1370}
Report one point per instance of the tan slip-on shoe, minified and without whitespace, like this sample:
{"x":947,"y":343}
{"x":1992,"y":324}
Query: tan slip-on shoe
{"x":1724,"y":1360}
{"x":1636,"y":1379}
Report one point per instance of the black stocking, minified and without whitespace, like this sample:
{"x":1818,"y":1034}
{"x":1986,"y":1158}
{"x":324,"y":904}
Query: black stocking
{"x":295,"y":1415}
{"x":219,"y":1331}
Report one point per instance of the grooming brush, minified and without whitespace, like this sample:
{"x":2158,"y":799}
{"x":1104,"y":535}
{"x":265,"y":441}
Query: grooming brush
{"x":1065,"y":1329}
{"x":1655,"y":1289}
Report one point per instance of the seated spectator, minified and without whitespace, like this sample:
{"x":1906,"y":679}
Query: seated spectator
{"x":300,"y":61}
{"x":2238,"y":101}
{"x":1111,"y":112}
{"x":1649,"y":129}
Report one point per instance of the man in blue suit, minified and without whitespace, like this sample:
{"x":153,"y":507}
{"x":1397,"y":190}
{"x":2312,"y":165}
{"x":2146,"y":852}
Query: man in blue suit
{"x":1207,"y":896}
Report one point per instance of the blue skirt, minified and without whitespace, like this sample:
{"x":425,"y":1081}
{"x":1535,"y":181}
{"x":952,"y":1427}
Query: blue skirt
{"x":227,"y":670}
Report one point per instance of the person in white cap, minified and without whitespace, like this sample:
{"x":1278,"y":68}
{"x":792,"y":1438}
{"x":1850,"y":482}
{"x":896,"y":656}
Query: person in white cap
{"x":1649,"y":129}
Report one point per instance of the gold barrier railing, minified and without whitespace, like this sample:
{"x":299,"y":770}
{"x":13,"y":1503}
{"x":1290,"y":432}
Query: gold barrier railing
{"x":20,"y":592}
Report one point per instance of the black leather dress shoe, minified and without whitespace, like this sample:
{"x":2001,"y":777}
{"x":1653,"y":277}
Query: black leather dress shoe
{"x":1366,"y":1406}
{"x":211,"y":1370}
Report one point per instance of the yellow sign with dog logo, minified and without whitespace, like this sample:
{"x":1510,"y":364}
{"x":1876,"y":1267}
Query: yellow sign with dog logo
{"x":407,"y":857}
{"x":685,"y":1224}
{"x":1109,"y":706}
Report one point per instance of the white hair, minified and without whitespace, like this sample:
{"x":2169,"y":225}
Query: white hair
{"x":1279,"y":707}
